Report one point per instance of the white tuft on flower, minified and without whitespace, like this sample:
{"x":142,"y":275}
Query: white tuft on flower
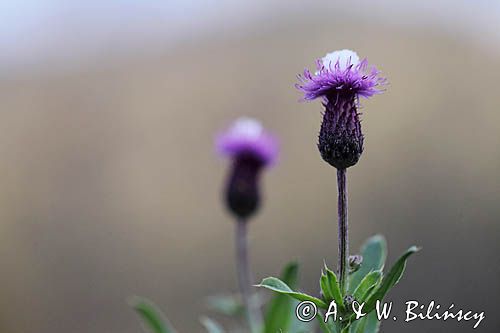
{"x":246,"y":127}
{"x":344,"y":57}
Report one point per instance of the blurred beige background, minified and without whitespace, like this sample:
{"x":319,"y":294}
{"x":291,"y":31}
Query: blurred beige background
{"x":110,"y":185}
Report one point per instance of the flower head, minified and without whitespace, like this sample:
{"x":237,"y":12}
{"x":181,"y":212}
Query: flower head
{"x":251,"y":148}
{"x":247,"y":136}
{"x":340,"y":71}
{"x":341,"y":78}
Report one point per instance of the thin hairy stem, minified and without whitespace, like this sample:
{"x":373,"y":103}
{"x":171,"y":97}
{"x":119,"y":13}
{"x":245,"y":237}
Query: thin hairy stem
{"x":343,"y":237}
{"x":245,"y":279}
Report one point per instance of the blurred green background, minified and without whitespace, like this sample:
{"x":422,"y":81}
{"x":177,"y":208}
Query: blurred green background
{"x":111,"y":188}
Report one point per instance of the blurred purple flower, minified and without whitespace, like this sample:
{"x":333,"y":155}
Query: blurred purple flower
{"x":251,"y":148}
{"x":247,"y":137}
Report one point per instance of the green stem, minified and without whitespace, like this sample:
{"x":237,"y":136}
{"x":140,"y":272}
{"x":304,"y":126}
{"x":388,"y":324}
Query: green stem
{"x":253,"y":314}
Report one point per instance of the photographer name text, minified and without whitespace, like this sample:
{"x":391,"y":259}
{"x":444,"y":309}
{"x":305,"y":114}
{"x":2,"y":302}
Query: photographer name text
{"x":307,"y":311}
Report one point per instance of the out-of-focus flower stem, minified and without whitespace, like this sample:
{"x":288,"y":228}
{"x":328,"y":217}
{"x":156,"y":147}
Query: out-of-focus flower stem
{"x":245,"y":279}
{"x":343,"y":236}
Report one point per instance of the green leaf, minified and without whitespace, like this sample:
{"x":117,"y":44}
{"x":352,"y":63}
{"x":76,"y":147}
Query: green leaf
{"x":345,"y":330}
{"x":366,"y":285}
{"x":226,"y":304}
{"x":374,"y":252}
{"x":279,"y":286}
{"x":390,"y":280}
{"x":353,"y":328}
{"x":325,"y":288}
{"x":367,"y":324}
{"x":372,"y":324}
{"x":298,"y":326}
{"x":323,"y":326}
{"x":151,"y":315}
{"x":280,"y":309}
{"x":330,"y":287}
{"x":211,"y":325}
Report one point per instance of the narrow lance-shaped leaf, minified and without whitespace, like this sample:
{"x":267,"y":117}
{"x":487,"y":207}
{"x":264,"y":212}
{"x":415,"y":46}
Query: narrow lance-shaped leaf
{"x":228,"y":305}
{"x":367,"y":324}
{"x":279,"y":312}
{"x":353,"y":328}
{"x":372,"y":323}
{"x":151,"y":315}
{"x":325,"y":287}
{"x":279,"y":286}
{"x":374,"y":252}
{"x":334,"y":288}
{"x":211,"y":325}
{"x":366,"y":285}
{"x":325,"y":328}
{"x":390,"y":280}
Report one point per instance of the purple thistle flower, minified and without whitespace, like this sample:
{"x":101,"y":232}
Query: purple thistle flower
{"x":340,"y":71}
{"x":251,"y":148}
{"x":341,"y":78}
{"x":246,"y":136}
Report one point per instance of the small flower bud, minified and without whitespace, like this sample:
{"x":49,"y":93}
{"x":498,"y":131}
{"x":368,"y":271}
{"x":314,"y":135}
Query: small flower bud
{"x":348,"y":299}
{"x":355,"y":262}
{"x":242,"y":192}
{"x":251,"y":149}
